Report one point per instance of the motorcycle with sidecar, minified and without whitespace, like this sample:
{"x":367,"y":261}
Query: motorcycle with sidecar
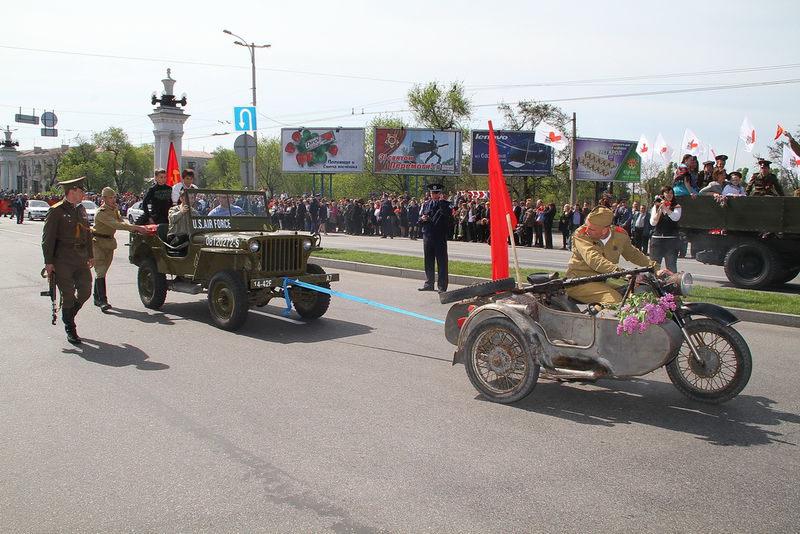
{"x":508,"y":337}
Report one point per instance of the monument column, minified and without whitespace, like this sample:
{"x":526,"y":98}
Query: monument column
{"x":168,"y":121}
{"x":9,"y":166}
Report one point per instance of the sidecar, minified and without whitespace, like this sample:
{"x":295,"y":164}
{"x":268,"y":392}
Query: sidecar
{"x":506,"y":339}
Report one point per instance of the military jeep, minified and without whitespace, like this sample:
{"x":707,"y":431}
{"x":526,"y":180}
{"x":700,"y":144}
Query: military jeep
{"x":233,"y":253}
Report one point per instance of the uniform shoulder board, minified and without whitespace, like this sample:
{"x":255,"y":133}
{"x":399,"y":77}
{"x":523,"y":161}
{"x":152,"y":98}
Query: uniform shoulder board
{"x":620,"y":229}
{"x":57,"y":204}
{"x":582,"y":231}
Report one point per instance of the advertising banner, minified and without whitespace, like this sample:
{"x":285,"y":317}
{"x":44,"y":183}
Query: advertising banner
{"x":519,"y":154}
{"x":417,"y":151}
{"x":322,"y":150}
{"x":607,"y":160}
{"x":474,"y":194}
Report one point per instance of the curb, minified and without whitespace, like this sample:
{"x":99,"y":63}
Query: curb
{"x":750,"y":316}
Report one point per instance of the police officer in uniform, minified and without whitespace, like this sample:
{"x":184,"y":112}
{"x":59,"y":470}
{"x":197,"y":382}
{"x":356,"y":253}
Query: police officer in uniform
{"x":596,"y":248}
{"x":764,"y":183}
{"x":67,"y":249}
{"x":434,"y":219}
{"x":107,"y":221}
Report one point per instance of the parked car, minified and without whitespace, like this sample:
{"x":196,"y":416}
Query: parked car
{"x":134,"y":212}
{"x":91,"y":209}
{"x":36,"y":209}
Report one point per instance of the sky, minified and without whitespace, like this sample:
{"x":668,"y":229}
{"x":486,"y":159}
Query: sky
{"x":95,"y":65}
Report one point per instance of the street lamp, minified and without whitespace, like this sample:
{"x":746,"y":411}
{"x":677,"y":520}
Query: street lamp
{"x":252,"y":48}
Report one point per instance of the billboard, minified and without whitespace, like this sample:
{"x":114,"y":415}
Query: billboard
{"x":607,"y":160}
{"x":417,"y":151}
{"x":519,"y":154}
{"x":322,"y":150}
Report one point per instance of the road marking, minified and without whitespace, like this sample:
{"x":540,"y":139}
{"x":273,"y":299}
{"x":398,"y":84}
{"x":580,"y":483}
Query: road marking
{"x":282,"y":318}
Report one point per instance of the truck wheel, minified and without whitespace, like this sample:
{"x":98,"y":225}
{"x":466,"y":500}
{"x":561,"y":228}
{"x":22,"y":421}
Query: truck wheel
{"x":477,"y":290}
{"x":751,"y":265}
{"x":152,"y":284}
{"x":308,"y":303}
{"x":227,"y":300}
{"x":498,"y":363}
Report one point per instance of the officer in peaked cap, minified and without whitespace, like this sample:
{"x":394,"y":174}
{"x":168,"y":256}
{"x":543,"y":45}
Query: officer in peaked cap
{"x":596,"y":249}
{"x":67,"y":249}
{"x":764,"y":183}
{"x":107,"y":221}
{"x":434,"y":219}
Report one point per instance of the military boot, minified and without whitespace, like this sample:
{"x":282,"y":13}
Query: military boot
{"x":68,"y":317}
{"x":100,"y":294}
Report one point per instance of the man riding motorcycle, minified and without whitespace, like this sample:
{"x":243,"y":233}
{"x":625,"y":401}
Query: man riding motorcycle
{"x":596,"y":248}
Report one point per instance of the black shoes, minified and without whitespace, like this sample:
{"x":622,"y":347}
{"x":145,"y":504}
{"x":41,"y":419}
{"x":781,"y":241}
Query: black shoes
{"x":68,"y":317}
{"x":425,"y":288}
{"x":100,"y":298}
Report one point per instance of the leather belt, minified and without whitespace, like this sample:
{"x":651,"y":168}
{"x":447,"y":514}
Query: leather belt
{"x":103,"y":235}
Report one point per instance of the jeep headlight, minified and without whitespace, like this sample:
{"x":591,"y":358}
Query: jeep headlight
{"x":307,"y":244}
{"x":254,"y":246}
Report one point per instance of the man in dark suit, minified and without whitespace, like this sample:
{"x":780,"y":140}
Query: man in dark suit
{"x":434,"y":220}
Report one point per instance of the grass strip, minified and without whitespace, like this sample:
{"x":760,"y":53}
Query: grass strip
{"x":723,"y":296}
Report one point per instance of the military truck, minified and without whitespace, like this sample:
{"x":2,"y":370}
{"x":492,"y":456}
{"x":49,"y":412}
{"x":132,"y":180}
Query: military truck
{"x":234,"y":254}
{"x":756,"y":239}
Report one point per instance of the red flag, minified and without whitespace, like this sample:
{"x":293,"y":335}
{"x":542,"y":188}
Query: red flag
{"x":499,"y":207}
{"x":779,"y":133}
{"x":173,"y":172}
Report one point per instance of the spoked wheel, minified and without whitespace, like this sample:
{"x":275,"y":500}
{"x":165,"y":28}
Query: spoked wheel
{"x":725,"y":368}
{"x":498,"y":363}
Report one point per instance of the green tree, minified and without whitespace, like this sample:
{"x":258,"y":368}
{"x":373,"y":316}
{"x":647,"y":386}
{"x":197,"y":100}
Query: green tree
{"x":439,"y":107}
{"x":223,"y":171}
{"x":268,"y":165}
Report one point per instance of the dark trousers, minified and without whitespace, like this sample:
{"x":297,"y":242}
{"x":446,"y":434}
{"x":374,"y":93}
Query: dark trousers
{"x":538,"y":228}
{"x":666,"y":249}
{"x":548,"y":237}
{"x":564,"y":237}
{"x":435,"y":250}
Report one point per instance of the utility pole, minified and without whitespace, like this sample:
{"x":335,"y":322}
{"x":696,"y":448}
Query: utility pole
{"x":251,"y":47}
{"x":573,"y":186}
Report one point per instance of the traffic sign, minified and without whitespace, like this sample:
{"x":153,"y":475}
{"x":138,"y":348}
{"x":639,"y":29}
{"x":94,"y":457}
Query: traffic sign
{"x":27,"y":119}
{"x":245,"y":146}
{"x":49,"y":132}
{"x":244,"y":119}
{"x":49,"y":119}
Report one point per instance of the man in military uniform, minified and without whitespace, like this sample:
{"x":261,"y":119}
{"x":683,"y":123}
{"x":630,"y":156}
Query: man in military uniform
{"x":435,"y":219}
{"x":67,"y":249}
{"x":107,"y":221}
{"x":596,"y":248}
{"x":764,"y":183}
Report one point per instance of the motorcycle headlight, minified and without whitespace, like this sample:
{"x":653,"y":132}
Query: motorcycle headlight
{"x":307,"y":244}
{"x":687,"y":282}
{"x":254,"y":246}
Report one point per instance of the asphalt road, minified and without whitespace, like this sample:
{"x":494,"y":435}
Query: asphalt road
{"x":357,"y":422}
{"x":529,"y":257}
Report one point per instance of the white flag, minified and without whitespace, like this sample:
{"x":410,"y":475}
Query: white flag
{"x":662,"y":149}
{"x":549,"y":135}
{"x":644,"y":149}
{"x":691,"y":143}
{"x":747,"y":133}
{"x":791,"y":161}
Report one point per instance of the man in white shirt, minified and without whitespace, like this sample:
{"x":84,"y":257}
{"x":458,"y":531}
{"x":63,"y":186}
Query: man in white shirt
{"x":187,"y":181}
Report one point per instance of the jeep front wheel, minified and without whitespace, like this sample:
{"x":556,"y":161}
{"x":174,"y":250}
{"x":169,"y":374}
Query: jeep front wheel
{"x":227,"y":300}
{"x":308,"y":303}
{"x":152,"y":284}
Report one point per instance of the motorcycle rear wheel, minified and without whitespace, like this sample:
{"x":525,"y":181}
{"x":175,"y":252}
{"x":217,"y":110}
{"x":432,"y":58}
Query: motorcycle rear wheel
{"x":726,"y":366}
{"x":498,"y":364}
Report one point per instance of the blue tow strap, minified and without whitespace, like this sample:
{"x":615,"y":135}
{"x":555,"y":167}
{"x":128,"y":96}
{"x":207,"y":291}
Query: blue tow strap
{"x":288,"y":281}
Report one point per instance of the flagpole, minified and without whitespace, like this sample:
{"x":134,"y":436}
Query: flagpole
{"x":513,"y":249}
{"x":573,"y":186}
{"x":735,"y":151}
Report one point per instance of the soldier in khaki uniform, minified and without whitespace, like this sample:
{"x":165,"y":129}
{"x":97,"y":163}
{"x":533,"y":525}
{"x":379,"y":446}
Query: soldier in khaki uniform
{"x":67,"y":249}
{"x":596,"y":248}
{"x":107,"y":221}
{"x":764,"y":183}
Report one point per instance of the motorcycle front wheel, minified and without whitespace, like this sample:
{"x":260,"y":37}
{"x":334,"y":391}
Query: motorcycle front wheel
{"x":498,"y":364}
{"x":725,"y":368}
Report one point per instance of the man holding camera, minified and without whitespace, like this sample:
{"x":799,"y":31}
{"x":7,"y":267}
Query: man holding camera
{"x":596,"y":249}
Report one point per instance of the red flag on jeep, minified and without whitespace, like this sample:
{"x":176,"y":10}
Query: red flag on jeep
{"x":173,"y":171}
{"x":499,"y":207}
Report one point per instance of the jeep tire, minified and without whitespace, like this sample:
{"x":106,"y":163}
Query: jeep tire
{"x":152,"y":284}
{"x":228,"y":300}
{"x":308,"y":303}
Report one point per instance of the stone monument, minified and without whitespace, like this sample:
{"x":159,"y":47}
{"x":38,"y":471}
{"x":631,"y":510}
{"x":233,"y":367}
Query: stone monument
{"x":168,"y":121}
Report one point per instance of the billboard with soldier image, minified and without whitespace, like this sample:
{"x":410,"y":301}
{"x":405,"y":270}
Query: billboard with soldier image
{"x":417,"y":151}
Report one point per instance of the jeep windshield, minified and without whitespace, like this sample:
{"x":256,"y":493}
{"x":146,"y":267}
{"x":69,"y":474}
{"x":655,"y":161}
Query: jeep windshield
{"x":219,"y":210}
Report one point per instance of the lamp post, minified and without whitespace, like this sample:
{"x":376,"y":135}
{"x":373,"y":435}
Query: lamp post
{"x":252,"y":48}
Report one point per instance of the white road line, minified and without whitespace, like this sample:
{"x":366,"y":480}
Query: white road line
{"x":281,"y":317}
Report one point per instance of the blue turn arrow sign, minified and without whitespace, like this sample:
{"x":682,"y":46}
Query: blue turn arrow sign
{"x":244,"y":118}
